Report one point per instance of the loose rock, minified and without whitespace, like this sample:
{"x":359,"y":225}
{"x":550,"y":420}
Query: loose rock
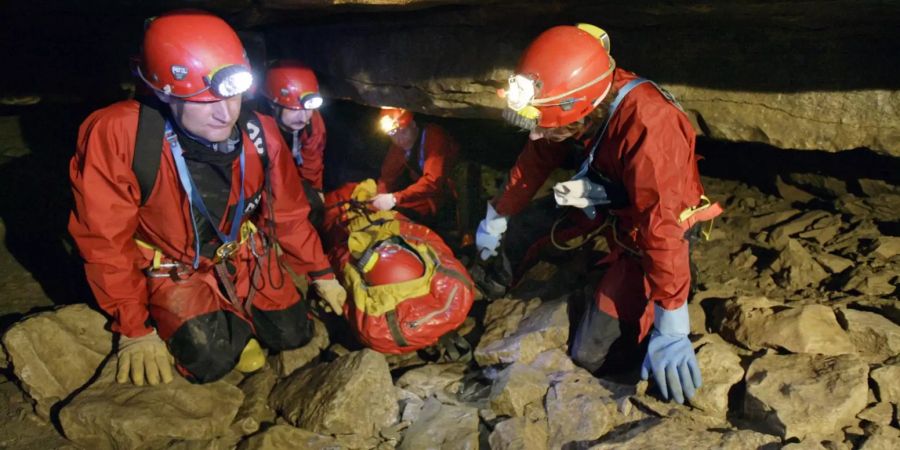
{"x":441,"y":380}
{"x":56,"y":352}
{"x":291,"y":360}
{"x":352,"y":395}
{"x":805,"y":395}
{"x":444,"y":427}
{"x":576,"y":409}
{"x":543,"y":328}
{"x":875,"y":337}
{"x":286,"y":437}
{"x":519,"y":433}
{"x":516,"y":387}
{"x":754,"y":324}
{"x":108,"y":415}
{"x":888,"y":388}
{"x":721,"y":370}
{"x":659,"y":434}
{"x":795,"y":268}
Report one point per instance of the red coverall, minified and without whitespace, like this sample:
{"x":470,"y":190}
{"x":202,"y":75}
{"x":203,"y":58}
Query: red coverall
{"x":427,"y":167}
{"x":204,"y":331}
{"x":649,"y":149}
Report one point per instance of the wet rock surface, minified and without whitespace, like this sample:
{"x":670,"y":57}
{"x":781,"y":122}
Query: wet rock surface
{"x":108,"y":415}
{"x":56,"y":352}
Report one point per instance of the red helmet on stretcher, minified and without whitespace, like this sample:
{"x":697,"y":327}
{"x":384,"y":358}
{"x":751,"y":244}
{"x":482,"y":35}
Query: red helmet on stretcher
{"x":562,"y":76}
{"x":392,"y":263}
{"x":292,"y":85}
{"x":195,"y":56}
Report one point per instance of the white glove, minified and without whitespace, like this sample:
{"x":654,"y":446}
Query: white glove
{"x":144,"y":357}
{"x":489,"y":233}
{"x":333,"y":293}
{"x":580,"y":193}
{"x":384,"y":202}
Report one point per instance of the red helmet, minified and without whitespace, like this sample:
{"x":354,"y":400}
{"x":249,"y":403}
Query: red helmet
{"x":562,"y":76}
{"x":392,"y":119}
{"x":392,"y":263}
{"x":194,"y":56}
{"x":292,"y":85}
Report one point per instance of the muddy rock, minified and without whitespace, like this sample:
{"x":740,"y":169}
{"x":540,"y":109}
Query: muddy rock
{"x":543,"y":328}
{"x":882,"y":438}
{"x":795,"y":267}
{"x":762,"y":221}
{"x":758,"y":323}
{"x":659,"y":434}
{"x":286,"y":437}
{"x":517,"y":386}
{"x":886,"y":247}
{"x":832,"y":263}
{"x":867,"y":281}
{"x":744,"y":259}
{"x":56,"y":352}
{"x":721,"y":369}
{"x":255,"y":410}
{"x":878,"y":413}
{"x":442,"y":426}
{"x":576,"y":409}
{"x":877,"y":188}
{"x":805,"y":395}
{"x":108,"y":415}
{"x":353,"y":395}
{"x":792,"y":193}
{"x":875,"y":337}
{"x":821,"y":185}
{"x":519,"y":433}
{"x":440,"y":380}
{"x":888,"y":388}
{"x":553,"y":361}
{"x":778,"y":236}
{"x":291,"y":360}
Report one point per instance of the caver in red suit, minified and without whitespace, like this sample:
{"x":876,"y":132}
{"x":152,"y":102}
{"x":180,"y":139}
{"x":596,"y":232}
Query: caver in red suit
{"x":208,"y":309}
{"x":637,"y":183}
{"x":415,"y":174}
{"x":294,"y":101}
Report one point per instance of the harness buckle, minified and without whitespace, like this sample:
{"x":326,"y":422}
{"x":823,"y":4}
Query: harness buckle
{"x":226,"y":250}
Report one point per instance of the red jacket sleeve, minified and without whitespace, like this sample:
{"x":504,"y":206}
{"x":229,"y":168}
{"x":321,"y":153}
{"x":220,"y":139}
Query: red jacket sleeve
{"x":391,"y":168}
{"x":105,"y":215}
{"x":440,"y":155}
{"x":538,"y":159}
{"x":657,"y":161}
{"x":296,"y":235}
{"x":313,"y":152}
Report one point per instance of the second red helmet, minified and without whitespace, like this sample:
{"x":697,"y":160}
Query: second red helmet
{"x":292,"y":85}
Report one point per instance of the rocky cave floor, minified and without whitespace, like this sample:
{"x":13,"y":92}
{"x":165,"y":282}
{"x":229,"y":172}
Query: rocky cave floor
{"x":796,"y":325}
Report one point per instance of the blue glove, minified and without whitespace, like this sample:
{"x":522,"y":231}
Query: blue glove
{"x":670,"y":355}
{"x":489,"y":233}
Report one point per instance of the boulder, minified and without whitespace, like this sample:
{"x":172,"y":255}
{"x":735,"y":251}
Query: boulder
{"x":778,"y":236}
{"x":255,"y":410}
{"x":681,"y":432}
{"x":887,"y":386}
{"x":763,"y":221}
{"x":286,"y":437}
{"x":444,"y":427}
{"x":352,"y":395}
{"x":875,"y":337}
{"x":757,"y":323}
{"x":877,"y":188}
{"x":441,"y":380}
{"x":721,"y":370}
{"x":792,"y":193}
{"x":832,"y":263}
{"x":795,"y":267}
{"x":108,"y":415}
{"x":866,"y":281}
{"x":553,"y":361}
{"x":882,"y":438}
{"x":517,"y":386}
{"x":519,"y":433}
{"x":543,"y":328}
{"x":291,"y":360}
{"x":805,"y":395}
{"x":878,"y":413}
{"x":821,"y":185}
{"x":56,"y":352}
{"x":577,"y":410}
{"x":886,"y":247}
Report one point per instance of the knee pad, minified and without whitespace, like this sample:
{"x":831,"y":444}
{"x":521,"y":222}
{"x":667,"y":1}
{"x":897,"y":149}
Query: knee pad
{"x":207,"y":347}
{"x":284,"y":329}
